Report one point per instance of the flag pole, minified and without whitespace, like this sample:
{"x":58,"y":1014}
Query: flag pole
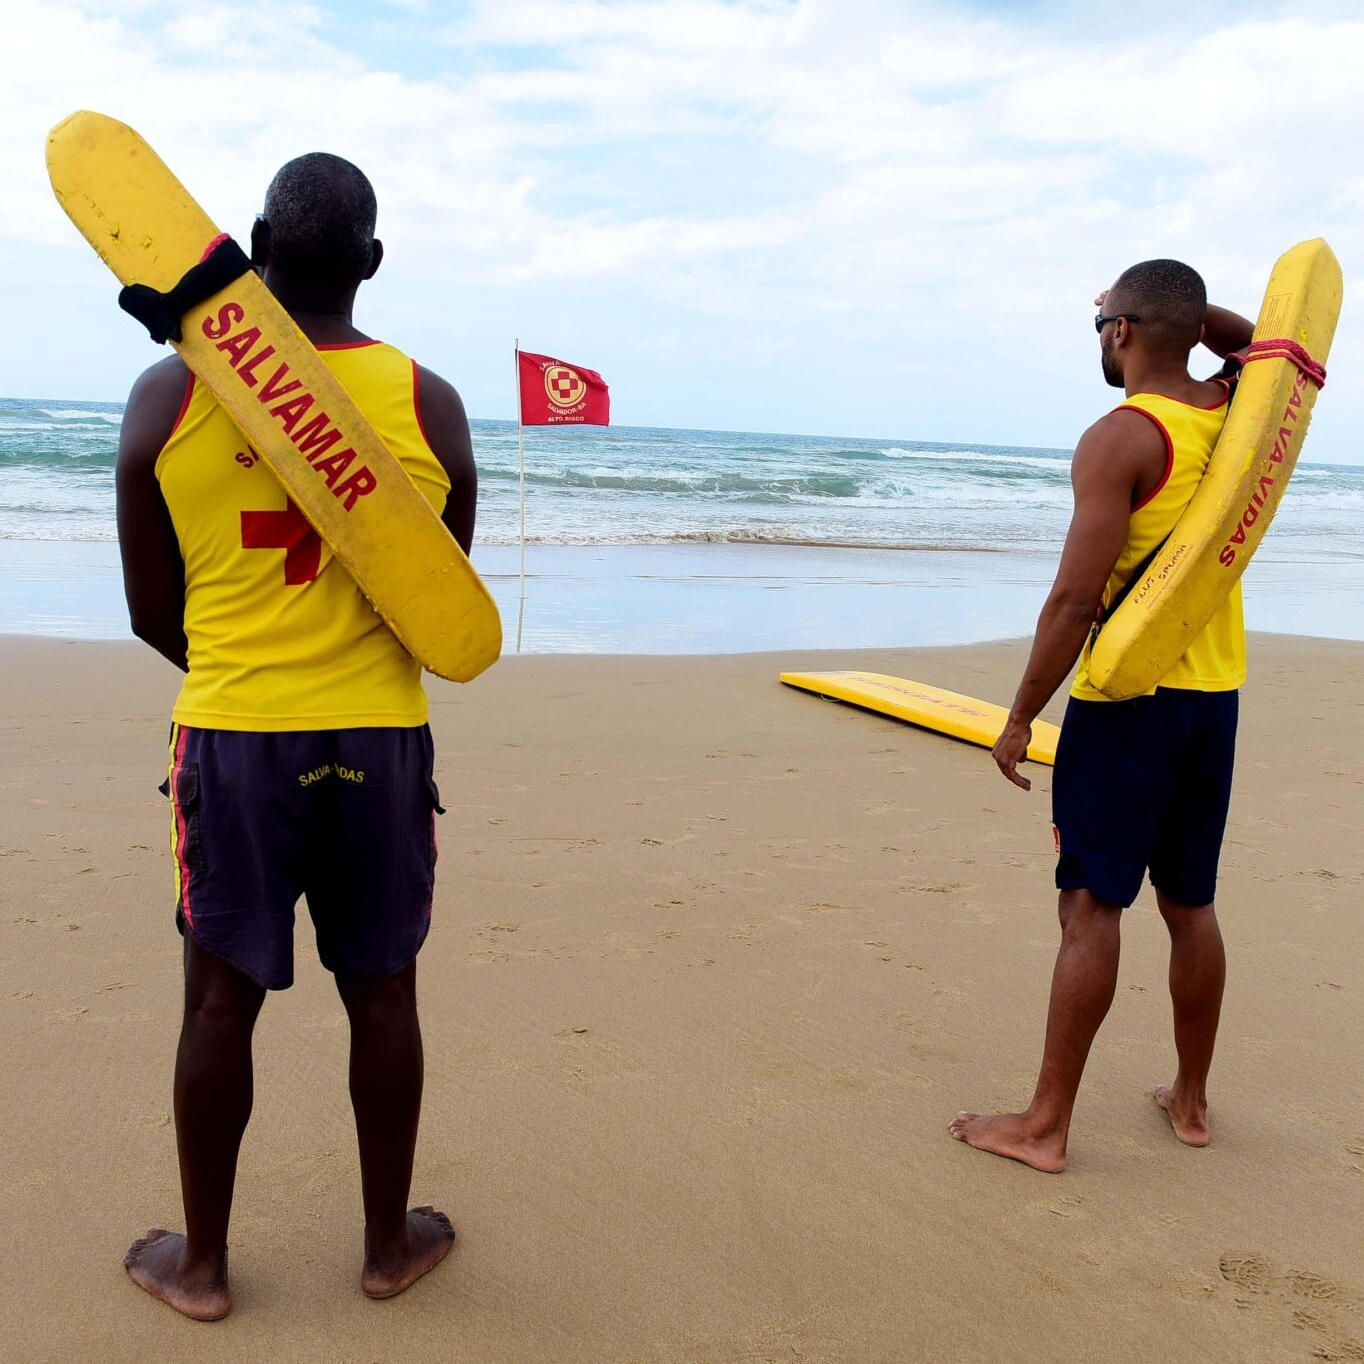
{"x":521,"y":464}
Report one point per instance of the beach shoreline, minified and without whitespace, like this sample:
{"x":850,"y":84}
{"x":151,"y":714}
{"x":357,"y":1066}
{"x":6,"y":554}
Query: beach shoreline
{"x":716,"y":598}
{"x":664,"y":541}
{"x":713,"y":963}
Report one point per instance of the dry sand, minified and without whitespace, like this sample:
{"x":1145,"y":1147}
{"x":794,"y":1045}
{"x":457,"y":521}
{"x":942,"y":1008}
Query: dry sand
{"x":713,"y":965}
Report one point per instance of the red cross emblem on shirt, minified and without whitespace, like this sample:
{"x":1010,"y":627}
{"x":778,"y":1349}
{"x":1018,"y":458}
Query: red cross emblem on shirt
{"x":287,"y":530}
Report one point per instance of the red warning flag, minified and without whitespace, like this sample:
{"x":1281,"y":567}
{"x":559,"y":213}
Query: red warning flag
{"x":556,"y":394}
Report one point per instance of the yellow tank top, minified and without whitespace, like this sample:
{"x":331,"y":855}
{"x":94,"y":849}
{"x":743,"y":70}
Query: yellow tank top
{"x":1216,"y":660}
{"x":280,"y":637}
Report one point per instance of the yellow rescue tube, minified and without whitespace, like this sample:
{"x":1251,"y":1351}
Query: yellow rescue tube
{"x":1226,"y":519}
{"x":148,"y":230}
{"x":947,"y":712}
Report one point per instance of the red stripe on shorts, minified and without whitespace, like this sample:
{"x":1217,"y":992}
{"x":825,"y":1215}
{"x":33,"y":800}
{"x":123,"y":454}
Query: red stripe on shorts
{"x":181,"y":831}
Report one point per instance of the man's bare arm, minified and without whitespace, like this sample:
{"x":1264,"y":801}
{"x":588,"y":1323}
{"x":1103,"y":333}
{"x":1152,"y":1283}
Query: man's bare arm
{"x":1226,"y":332}
{"x":1110,"y":462}
{"x":153,"y":571}
{"x":447,"y":433}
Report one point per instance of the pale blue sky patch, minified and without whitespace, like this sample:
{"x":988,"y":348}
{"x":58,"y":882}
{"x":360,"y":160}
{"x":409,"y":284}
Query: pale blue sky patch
{"x":833,"y":216}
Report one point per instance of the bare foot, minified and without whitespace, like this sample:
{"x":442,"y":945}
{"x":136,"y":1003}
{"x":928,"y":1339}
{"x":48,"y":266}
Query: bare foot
{"x":1012,"y":1135}
{"x":1190,"y":1121}
{"x":427,"y":1239}
{"x":156,"y":1262}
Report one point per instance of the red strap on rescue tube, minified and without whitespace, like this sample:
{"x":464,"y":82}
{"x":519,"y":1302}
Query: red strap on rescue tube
{"x":1281,"y":348}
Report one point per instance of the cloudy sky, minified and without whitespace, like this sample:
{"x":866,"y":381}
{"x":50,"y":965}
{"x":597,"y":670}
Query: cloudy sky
{"x":850,"y":217}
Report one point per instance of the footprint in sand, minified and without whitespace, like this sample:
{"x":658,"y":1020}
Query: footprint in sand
{"x":1332,"y":1311}
{"x":1249,"y":1273}
{"x":1304,"y":1285}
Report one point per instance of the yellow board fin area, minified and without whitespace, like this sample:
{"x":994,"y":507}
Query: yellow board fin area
{"x":1227,"y":517}
{"x":148,"y":230}
{"x":947,"y":712}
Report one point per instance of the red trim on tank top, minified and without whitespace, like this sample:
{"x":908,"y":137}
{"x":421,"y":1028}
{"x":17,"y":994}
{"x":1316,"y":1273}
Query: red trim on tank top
{"x":1226,"y":393}
{"x":184,"y":405}
{"x":1169,"y":452}
{"x":348,"y":345}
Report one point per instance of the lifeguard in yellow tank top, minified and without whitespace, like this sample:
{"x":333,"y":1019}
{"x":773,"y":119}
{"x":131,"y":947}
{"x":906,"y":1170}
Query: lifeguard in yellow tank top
{"x":301,"y":766}
{"x":280,"y":637}
{"x":1216,"y":660}
{"x":1141,"y":786}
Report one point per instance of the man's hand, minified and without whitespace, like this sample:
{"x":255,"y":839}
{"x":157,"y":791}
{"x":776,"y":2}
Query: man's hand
{"x":1011,"y":748}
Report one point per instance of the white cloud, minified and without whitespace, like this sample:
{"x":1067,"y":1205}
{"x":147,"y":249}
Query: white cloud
{"x":925,"y":177}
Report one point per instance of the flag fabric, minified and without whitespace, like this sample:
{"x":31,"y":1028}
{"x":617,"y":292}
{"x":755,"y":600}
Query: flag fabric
{"x":557,"y":394}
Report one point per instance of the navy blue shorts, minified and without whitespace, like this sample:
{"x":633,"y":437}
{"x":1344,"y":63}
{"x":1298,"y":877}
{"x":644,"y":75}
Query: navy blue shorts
{"x":1144,"y":784}
{"x":342,"y":817}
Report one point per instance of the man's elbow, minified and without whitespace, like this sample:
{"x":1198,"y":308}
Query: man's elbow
{"x":1075,"y":607}
{"x":153,"y":635}
{"x":143,"y":627}
{"x":153,"y":629}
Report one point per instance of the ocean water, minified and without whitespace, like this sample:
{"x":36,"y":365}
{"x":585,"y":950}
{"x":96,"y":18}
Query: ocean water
{"x":680,"y":541}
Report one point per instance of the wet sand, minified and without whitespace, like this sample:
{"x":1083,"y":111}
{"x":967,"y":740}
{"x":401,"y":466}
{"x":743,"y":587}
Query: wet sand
{"x":717,"y":598}
{"x":713,"y":965}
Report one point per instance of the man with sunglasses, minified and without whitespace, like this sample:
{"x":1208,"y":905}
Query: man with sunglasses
{"x":1142,"y":784}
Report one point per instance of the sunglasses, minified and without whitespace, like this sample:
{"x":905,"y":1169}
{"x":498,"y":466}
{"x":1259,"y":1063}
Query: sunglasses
{"x":1101,"y":320}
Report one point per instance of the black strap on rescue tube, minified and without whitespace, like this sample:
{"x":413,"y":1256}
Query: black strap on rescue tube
{"x":161,"y":313}
{"x":1137,"y":574}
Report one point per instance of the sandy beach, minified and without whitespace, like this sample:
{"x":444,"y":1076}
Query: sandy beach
{"x":713,"y":965}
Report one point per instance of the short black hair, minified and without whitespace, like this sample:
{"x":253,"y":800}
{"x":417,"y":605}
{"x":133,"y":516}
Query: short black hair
{"x":1168,"y":296}
{"x":321,"y":212}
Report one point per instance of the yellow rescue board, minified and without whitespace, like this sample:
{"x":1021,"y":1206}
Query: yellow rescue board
{"x":948,"y":712}
{"x":148,"y":230}
{"x":1223,"y":524}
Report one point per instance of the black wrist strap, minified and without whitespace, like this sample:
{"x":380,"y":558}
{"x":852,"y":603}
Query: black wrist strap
{"x":161,"y":313}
